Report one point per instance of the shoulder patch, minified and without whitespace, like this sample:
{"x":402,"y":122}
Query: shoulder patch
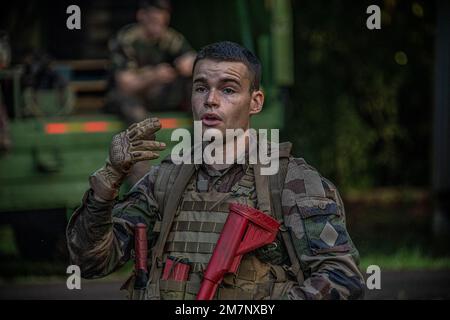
{"x":298,"y":171}
{"x":314,"y":207}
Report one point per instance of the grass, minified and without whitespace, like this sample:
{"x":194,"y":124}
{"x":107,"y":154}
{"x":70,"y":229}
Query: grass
{"x":405,"y":259}
{"x":7,"y":243}
{"x":27,"y":272}
{"x":18,"y":271}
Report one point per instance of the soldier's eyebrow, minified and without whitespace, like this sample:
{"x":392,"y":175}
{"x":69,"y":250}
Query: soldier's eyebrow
{"x":204,"y":80}
{"x":227,"y":79}
{"x":200,"y":79}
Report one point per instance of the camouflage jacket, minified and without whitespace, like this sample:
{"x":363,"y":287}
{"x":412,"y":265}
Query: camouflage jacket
{"x":100,"y":234}
{"x":131,"y":50}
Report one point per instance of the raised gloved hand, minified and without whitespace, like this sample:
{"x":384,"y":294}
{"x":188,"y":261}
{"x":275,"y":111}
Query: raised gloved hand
{"x":127,"y":147}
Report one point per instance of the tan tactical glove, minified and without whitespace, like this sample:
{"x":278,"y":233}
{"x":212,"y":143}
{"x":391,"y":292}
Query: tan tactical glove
{"x":127,"y":147}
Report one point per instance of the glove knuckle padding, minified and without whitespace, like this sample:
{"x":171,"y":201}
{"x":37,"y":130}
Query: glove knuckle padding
{"x":144,"y":130}
{"x":132,"y":145}
{"x":118,"y":153}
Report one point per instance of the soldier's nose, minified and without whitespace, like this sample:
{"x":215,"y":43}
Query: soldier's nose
{"x":212,"y":99}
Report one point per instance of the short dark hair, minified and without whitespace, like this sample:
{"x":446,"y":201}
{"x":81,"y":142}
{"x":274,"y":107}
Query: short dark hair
{"x":231,"y":51}
{"x":159,"y":4}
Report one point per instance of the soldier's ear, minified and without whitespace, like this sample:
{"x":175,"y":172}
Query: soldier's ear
{"x":257,"y":101}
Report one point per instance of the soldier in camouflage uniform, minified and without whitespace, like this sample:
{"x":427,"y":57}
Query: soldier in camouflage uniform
{"x":152,"y":68}
{"x":151,"y":64}
{"x":185,"y":206}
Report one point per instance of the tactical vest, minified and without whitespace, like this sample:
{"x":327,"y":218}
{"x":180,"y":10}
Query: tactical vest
{"x":196,"y":226}
{"x":194,"y":233}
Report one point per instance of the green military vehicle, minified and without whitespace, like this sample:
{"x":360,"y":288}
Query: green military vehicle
{"x":44,"y":175}
{"x":65,"y":137}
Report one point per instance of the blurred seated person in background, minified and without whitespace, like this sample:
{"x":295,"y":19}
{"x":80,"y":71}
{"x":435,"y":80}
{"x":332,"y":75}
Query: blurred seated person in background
{"x":152,"y":65}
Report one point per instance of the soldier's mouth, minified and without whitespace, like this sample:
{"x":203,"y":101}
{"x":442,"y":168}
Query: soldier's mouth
{"x":211,"y":119}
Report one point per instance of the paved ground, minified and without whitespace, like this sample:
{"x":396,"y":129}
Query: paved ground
{"x":394,"y":285}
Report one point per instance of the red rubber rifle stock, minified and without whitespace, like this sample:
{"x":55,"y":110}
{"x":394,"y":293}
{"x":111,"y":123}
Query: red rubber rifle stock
{"x":245,"y":230}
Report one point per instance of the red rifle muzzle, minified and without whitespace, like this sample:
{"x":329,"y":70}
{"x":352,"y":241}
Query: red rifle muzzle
{"x":245,"y":230}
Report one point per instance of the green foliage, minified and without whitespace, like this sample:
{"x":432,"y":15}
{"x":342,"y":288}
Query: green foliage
{"x":405,"y":259}
{"x":361,"y":102}
{"x":7,"y":243}
{"x":353,"y":142}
